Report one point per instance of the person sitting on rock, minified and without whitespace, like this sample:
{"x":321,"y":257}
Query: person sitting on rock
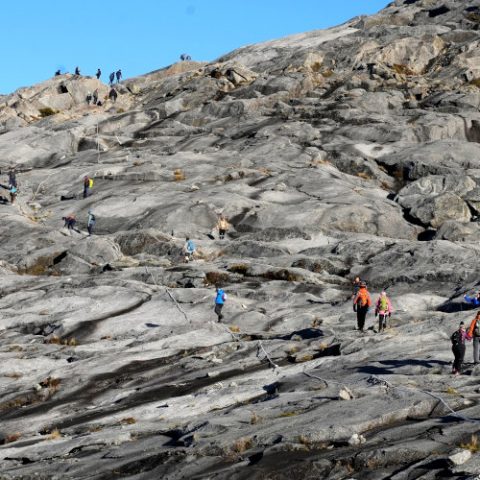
{"x":189,"y":249}
{"x":90,"y":222}
{"x":70,"y":222}
{"x":458,"y":348}
{"x":57,"y":73}
{"x":383,"y":309}
{"x":474,"y":300}
{"x":474,"y":332}
{"x":361,"y":304}
{"x":112,"y":95}
{"x":98,"y":74}
{"x":222,"y":227}
{"x":220,"y":298}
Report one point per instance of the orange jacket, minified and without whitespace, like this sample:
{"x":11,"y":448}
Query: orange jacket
{"x":363,"y":298}
{"x":471,"y":328}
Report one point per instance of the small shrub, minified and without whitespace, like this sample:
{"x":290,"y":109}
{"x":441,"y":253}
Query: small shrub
{"x":178,"y":175}
{"x":54,"y":340}
{"x":240,"y":268}
{"x":364,"y":175}
{"x":473,"y":17}
{"x":214,"y":278}
{"x":316,"y":67}
{"x":473,"y":445}
{"x":288,"y":414}
{"x":451,"y":391}
{"x":47,"y":111}
{"x":234,"y":328}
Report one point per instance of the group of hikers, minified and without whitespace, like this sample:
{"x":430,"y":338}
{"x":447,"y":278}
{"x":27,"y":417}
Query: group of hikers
{"x":114,"y":75}
{"x":362,"y":303}
{"x":11,"y":186}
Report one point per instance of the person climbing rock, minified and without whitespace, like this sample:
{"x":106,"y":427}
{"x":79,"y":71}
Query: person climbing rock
{"x":220,"y":298}
{"x":474,"y":333}
{"x":95,"y":96}
{"x":13,"y":193}
{"x":383,"y":309}
{"x":111,"y":78}
{"x":91,"y":222}
{"x":356,"y":286}
{"x":474,"y":300}
{"x":77,"y":71}
{"x":87,"y":186}
{"x":222,"y":227}
{"x":70,"y":222}
{"x":112,"y":95}
{"x":118,"y":74}
{"x":98,"y":74}
{"x":361,"y":304}
{"x":458,"y":348}
{"x":189,"y":249}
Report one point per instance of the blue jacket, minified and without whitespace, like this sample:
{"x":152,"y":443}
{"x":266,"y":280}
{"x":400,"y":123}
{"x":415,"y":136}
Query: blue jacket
{"x":220,"y":298}
{"x":190,"y":246}
{"x":473,"y":300}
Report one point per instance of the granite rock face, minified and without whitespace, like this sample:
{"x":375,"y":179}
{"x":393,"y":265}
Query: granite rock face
{"x":337,"y":153}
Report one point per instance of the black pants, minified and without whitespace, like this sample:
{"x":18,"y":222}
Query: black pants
{"x":218,"y":310}
{"x":459,"y":353}
{"x":85,"y":192}
{"x":90,"y":228}
{"x":382,"y":322}
{"x":361,"y":315}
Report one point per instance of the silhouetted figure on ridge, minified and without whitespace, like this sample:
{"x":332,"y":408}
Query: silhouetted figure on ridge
{"x":77,"y":71}
{"x":112,"y":78}
{"x":98,"y":74}
{"x":118,"y":75}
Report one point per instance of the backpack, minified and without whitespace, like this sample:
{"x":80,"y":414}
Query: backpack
{"x":90,"y":183}
{"x":92,"y":217}
{"x":190,"y":246}
{"x":363,"y":298}
{"x":383,"y":304}
{"x":456,"y":338}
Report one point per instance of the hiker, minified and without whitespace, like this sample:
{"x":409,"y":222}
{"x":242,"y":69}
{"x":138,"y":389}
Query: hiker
{"x":112,"y":95}
{"x":12,"y":178}
{"x":98,"y":74}
{"x":361,"y":304}
{"x":89,"y":98}
{"x":184,"y":57}
{"x":383,"y":309}
{"x":220,"y":297}
{"x":356,"y":286}
{"x":474,"y":300}
{"x":70,"y":221}
{"x":458,"y":348}
{"x":189,"y":249}
{"x":57,"y":73}
{"x":87,"y":186}
{"x":95,"y":96}
{"x":118,"y":74}
{"x":474,"y":332}
{"x":13,"y":193}
{"x":222,"y":227}
{"x":77,"y":71}
{"x":90,"y":222}
{"x":112,"y":78}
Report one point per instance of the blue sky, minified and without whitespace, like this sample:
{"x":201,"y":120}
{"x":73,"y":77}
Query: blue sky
{"x":38,"y":37}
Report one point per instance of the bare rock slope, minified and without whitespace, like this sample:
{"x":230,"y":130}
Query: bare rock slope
{"x":336,"y":153}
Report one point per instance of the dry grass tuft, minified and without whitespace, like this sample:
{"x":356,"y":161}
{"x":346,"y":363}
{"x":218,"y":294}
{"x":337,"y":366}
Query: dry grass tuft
{"x":403,"y":70}
{"x":215,"y":278}
{"x":328,"y":73}
{"x":55,"y":434}
{"x":451,"y":391}
{"x":13,"y":437}
{"x":54,"y":340}
{"x":238,"y":268}
{"x":475,"y":82}
{"x":13,"y":375}
{"x":242,"y":445}
{"x":128,"y":421}
{"x":364,"y":175}
{"x":234,"y":328}
{"x":254,"y":419}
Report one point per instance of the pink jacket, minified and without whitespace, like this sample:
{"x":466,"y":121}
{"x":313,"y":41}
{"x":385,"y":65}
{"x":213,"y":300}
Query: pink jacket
{"x":382,"y":312}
